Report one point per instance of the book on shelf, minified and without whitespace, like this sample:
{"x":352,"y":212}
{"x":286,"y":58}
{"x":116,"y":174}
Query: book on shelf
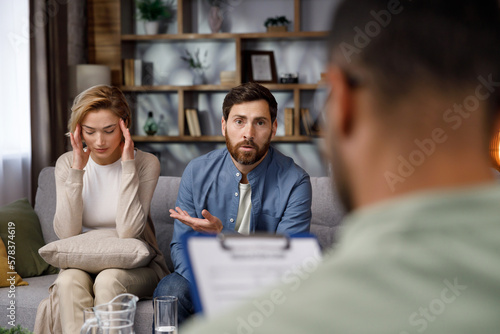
{"x":193,"y":122}
{"x":189,"y":122}
{"x":227,"y":77}
{"x":147,"y":73}
{"x":196,"y":121}
{"x":128,"y":72}
{"x":206,"y":126}
{"x":306,"y":121}
{"x":317,"y":126}
{"x":288,"y":121}
{"x":137,"y":72}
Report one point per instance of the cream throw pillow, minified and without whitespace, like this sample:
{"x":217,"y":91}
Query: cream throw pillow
{"x":97,"y":250}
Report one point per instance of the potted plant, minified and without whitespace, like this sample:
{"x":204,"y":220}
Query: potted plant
{"x":152,"y":11}
{"x":277,"y":23}
{"x":15,"y":330}
{"x":197,"y":65}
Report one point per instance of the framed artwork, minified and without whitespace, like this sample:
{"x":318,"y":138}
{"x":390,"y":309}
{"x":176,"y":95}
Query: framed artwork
{"x":259,"y":66}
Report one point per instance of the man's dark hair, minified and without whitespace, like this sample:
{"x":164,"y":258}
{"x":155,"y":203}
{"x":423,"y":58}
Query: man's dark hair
{"x":248,"y":92}
{"x":404,"y":45}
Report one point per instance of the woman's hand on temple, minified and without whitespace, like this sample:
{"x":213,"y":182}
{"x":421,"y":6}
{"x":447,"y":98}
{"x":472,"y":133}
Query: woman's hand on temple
{"x":80,"y":157}
{"x":128,"y":145}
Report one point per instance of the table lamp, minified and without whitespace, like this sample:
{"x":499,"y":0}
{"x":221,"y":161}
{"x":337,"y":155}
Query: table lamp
{"x":83,"y":76}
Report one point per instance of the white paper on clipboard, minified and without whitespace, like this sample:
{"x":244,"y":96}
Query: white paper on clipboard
{"x":229,"y":269}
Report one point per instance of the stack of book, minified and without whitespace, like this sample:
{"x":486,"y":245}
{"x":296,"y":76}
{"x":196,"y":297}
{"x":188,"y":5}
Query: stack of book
{"x":137,"y":72}
{"x":193,"y":122}
{"x":228,"y":77}
{"x":306,"y":120}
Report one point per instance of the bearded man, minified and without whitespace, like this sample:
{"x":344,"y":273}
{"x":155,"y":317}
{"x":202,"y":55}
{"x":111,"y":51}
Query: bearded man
{"x":244,"y":188}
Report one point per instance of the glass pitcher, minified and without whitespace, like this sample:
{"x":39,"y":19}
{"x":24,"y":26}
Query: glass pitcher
{"x":115,"y":317}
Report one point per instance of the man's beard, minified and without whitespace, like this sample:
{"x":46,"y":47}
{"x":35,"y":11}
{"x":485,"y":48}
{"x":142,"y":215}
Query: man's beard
{"x":247,"y":158}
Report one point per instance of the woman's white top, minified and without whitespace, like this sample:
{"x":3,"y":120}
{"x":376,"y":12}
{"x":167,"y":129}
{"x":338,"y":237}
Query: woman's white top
{"x":101,"y":188}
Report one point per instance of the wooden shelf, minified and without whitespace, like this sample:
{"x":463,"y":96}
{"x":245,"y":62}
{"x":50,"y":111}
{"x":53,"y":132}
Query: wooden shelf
{"x":225,"y":36}
{"x":209,"y":139}
{"x":177,"y":139}
{"x":213,"y":88}
{"x":171,"y":88}
{"x":292,"y":86}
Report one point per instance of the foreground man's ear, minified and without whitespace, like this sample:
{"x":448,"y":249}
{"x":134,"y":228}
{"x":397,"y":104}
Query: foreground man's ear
{"x":341,"y":104}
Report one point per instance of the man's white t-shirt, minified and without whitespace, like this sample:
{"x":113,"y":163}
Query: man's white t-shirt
{"x":244,"y":209}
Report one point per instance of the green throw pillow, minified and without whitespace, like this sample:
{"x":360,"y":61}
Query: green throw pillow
{"x":24,"y":232}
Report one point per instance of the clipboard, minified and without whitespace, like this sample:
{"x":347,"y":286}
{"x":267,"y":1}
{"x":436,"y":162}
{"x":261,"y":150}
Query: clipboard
{"x":226,"y":270}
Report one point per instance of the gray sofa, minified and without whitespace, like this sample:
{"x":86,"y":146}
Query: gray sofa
{"x":326,"y":216}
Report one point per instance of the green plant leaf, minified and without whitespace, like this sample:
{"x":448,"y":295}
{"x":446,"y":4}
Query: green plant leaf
{"x":15,"y":330}
{"x":153,"y":10}
{"x":275,"y":21}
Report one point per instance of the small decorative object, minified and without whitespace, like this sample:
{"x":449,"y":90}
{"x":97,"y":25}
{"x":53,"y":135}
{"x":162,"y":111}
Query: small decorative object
{"x":215,"y":15}
{"x":277,"y":23}
{"x":322,"y":79}
{"x":289,"y":77}
{"x":197,"y":65}
{"x":152,"y":11}
{"x":162,"y":126}
{"x":150,"y":127}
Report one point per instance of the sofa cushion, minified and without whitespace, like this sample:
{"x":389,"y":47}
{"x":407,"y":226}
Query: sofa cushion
{"x":327,"y":211}
{"x":97,"y":250}
{"x":7,"y":269}
{"x":45,"y":203}
{"x":27,"y":236}
{"x":164,"y":199}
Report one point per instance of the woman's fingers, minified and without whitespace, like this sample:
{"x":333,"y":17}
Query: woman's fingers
{"x":128,"y":146}
{"x":80,"y":157}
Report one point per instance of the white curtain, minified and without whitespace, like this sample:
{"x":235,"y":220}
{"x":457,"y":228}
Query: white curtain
{"x":15,"y":129}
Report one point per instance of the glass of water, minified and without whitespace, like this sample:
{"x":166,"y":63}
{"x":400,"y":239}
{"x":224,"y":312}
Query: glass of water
{"x":165,"y":308}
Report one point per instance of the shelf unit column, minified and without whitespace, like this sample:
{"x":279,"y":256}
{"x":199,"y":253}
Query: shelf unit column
{"x":184,"y":9}
{"x":237,"y":42}
{"x":296,"y":19}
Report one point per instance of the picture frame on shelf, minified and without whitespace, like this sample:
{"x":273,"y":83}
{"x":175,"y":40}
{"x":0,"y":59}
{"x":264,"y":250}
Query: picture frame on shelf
{"x":259,"y":66}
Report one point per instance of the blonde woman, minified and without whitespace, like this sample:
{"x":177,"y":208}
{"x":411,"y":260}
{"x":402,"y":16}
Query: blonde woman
{"x":106,"y":185}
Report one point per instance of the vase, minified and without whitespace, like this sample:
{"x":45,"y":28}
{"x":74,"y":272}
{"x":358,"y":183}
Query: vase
{"x":277,"y":29}
{"x":215,"y":19}
{"x":151,"y":27}
{"x":150,"y":127}
{"x":198,"y":77}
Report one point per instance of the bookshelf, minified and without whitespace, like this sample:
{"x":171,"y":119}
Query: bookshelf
{"x":108,"y":44}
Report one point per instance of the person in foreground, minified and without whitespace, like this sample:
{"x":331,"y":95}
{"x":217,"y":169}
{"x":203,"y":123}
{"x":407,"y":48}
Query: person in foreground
{"x":410,"y":116}
{"x":107,"y":185}
{"x":244,"y":188}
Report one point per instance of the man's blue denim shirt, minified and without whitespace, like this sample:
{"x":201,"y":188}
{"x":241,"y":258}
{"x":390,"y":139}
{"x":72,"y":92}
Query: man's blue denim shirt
{"x":281,"y":196}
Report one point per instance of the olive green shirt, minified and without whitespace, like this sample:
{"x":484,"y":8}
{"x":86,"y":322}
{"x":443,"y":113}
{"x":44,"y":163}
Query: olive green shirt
{"x":423,"y":263}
